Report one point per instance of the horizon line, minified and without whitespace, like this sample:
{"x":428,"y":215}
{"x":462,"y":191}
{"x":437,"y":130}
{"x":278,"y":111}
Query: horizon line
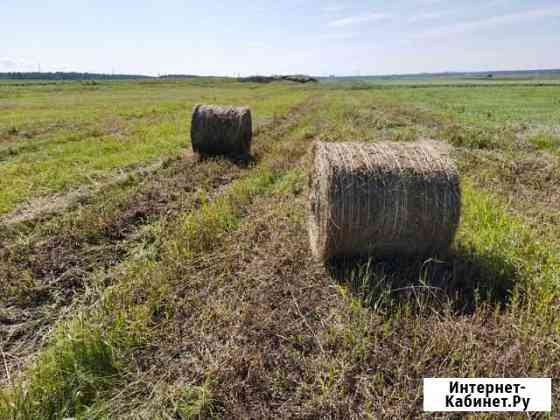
{"x":437,"y":73}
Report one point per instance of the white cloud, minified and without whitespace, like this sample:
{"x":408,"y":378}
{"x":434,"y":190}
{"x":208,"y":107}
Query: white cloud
{"x":14,"y":64}
{"x":340,"y":36}
{"x":491,"y":22}
{"x":421,"y":17}
{"x":8,"y":63}
{"x":355,"y":20}
{"x":334,"y":8}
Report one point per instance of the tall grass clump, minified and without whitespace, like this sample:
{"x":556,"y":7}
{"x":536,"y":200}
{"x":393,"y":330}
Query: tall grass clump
{"x":545,"y":141}
{"x":81,"y":365}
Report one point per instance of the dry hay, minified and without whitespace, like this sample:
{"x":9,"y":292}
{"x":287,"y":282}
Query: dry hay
{"x":221,"y":130}
{"x":382,"y":199}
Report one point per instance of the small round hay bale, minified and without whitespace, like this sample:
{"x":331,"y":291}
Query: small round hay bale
{"x":382,"y":199}
{"x":219,"y":130}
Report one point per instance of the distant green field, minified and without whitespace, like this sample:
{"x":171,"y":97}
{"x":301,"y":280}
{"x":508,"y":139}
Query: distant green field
{"x":139,"y":281}
{"x":60,"y":135}
{"x":491,"y":105}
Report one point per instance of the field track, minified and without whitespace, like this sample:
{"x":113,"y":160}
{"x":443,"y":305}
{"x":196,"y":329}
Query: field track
{"x":62,"y":263}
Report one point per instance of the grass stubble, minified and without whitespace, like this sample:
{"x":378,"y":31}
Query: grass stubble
{"x":219,"y":310}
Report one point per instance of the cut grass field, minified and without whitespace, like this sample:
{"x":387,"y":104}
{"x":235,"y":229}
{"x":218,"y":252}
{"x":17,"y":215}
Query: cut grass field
{"x":138,"y":281}
{"x":78,"y":133}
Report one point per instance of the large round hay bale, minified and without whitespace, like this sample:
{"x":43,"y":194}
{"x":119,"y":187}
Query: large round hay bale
{"x":382,"y":199}
{"x":219,"y":130}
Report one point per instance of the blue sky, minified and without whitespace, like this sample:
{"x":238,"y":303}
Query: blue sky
{"x":292,"y":36}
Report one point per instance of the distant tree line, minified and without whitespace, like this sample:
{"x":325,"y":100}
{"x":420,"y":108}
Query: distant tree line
{"x":177,"y":76}
{"x":299,"y":78}
{"x":267,"y":79}
{"x":68,"y":76}
{"x":103,"y":76}
{"x":88,"y":76}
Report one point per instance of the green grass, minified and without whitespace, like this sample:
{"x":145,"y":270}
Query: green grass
{"x":79,"y":367}
{"x":545,"y":141}
{"x":79,"y":135}
{"x":83,"y":360}
{"x":487,"y":106}
{"x":192,"y":289}
{"x":496,"y":260}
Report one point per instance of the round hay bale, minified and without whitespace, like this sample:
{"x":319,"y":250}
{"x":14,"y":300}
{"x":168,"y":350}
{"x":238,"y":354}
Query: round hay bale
{"x":382,"y":199}
{"x":219,"y":130}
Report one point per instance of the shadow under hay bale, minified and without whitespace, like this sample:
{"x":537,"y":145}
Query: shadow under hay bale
{"x":382,"y":199}
{"x":223,"y":131}
{"x":461,"y":281}
{"x":242,"y":161}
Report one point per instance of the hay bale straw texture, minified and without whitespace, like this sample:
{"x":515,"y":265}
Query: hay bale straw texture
{"x":382,"y":199}
{"x":219,"y":130}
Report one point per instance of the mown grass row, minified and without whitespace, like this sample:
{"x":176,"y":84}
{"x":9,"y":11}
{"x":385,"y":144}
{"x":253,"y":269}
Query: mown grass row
{"x":84,"y":364}
{"x":84,"y":137}
{"x":486,"y":106}
{"x":50,"y":263}
{"x":127,"y":309}
{"x":89,"y":361}
{"x":407,"y":114}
